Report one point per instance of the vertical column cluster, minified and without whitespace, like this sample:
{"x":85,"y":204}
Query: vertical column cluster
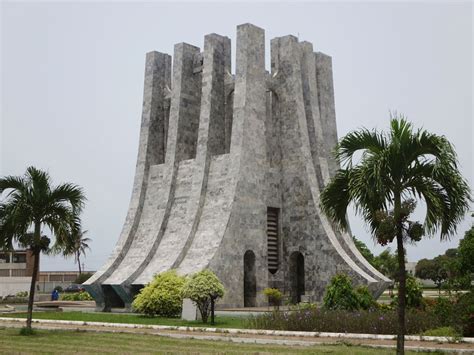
{"x":157,"y":79}
{"x":327,"y":106}
{"x":216,"y":59}
{"x":185,"y":104}
{"x":248,"y":153}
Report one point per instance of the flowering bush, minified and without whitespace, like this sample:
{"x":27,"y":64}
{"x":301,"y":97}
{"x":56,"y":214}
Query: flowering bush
{"x":77,"y":296}
{"x":341,"y":321}
{"x":162,"y":296}
{"x":456,"y":312}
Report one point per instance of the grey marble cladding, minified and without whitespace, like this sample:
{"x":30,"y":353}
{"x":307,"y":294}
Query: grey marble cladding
{"x":216,"y":150}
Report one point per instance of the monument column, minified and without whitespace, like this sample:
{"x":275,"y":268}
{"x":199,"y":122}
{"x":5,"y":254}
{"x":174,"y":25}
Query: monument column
{"x":248,"y":154}
{"x":151,"y":151}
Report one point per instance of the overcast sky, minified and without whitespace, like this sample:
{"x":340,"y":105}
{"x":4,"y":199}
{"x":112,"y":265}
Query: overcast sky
{"x":72,"y":82}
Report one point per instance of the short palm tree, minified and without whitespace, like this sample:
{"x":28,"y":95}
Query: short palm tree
{"x":393,"y":170}
{"x":30,"y":203}
{"x":78,"y":248}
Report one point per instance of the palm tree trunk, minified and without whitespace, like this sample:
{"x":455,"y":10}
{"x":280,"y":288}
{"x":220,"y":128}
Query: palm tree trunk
{"x":36,"y":256}
{"x":79,"y":262}
{"x":401,"y":296}
{"x":401,"y":279}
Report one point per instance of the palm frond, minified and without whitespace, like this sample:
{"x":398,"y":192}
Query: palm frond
{"x":335,"y":198}
{"x":363,"y":140}
{"x":14,"y":183}
{"x":69,"y":193}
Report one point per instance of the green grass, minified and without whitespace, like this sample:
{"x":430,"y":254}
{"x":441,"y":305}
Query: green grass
{"x":442,"y":332}
{"x":61,"y":342}
{"x":221,"y":321}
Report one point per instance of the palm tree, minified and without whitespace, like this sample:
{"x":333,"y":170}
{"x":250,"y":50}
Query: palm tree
{"x":78,"y":248}
{"x":31,"y":202}
{"x":394,"y":169}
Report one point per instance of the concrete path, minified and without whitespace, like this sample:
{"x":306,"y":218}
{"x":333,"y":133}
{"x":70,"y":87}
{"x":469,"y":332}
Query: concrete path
{"x":252,"y":335}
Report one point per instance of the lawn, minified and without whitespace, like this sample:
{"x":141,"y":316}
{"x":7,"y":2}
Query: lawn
{"x":60,"y":342}
{"x":221,"y":321}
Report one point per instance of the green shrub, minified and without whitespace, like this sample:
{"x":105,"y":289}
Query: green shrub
{"x":58,"y":288}
{"x":274,"y":296}
{"x":27,"y":331}
{"x":162,"y":296}
{"x":366,"y":300}
{"x":203,"y":288}
{"x":414,"y":294}
{"x":442,"y":308}
{"x":442,"y":332}
{"x":340,"y":294}
{"x":22,"y":294}
{"x":464,"y":310}
{"x":456,"y":312}
{"x":384,"y":307}
{"x":81,"y":278}
{"x":76,"y":296}
{"x":299,"y":307}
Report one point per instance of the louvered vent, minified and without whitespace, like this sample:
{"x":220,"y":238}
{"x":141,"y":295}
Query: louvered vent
{"x":272,"y":239}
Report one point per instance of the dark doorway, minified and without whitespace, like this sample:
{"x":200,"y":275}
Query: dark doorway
{"x":250,"y":279}
{"x":297,"y":276}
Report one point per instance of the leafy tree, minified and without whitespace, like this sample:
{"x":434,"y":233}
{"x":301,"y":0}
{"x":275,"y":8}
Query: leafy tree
{"x":30,"y":203}
{"x":457,"y":278}
{"x":204,"y":288}
{"x":366,"y":253}
{"x":432,"y":269}
{"x":394,"y":168}
{"x":162,"y":296}
{"x":387,"y":263}
{"x":466,"y":251}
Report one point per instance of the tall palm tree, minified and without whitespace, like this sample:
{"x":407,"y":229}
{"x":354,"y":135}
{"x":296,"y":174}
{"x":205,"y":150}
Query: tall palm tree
{"x":394,"y":168}
{"x":30,"y":202}
{"x":78,"y":248}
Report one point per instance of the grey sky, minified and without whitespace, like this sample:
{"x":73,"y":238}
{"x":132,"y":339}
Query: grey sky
{"x":72,"y":81}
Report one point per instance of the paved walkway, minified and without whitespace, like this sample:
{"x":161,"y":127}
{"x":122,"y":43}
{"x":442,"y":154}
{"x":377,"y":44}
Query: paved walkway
{"x":241,"y":335}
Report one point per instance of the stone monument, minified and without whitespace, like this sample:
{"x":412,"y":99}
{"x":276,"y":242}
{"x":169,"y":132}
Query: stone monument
{"x":229,"y":173}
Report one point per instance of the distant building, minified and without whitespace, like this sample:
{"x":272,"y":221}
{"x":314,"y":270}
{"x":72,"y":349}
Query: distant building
{"x":410,"y":267}
{"x":48,"y":280}
{"x":16,"y":270}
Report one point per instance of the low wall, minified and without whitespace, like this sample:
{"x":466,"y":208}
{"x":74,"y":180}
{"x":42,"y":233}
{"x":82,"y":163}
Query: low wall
{"x":13,"y":285}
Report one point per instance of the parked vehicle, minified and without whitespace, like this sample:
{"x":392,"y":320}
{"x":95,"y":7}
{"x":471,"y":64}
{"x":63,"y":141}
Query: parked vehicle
{"x":74,"y":288}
